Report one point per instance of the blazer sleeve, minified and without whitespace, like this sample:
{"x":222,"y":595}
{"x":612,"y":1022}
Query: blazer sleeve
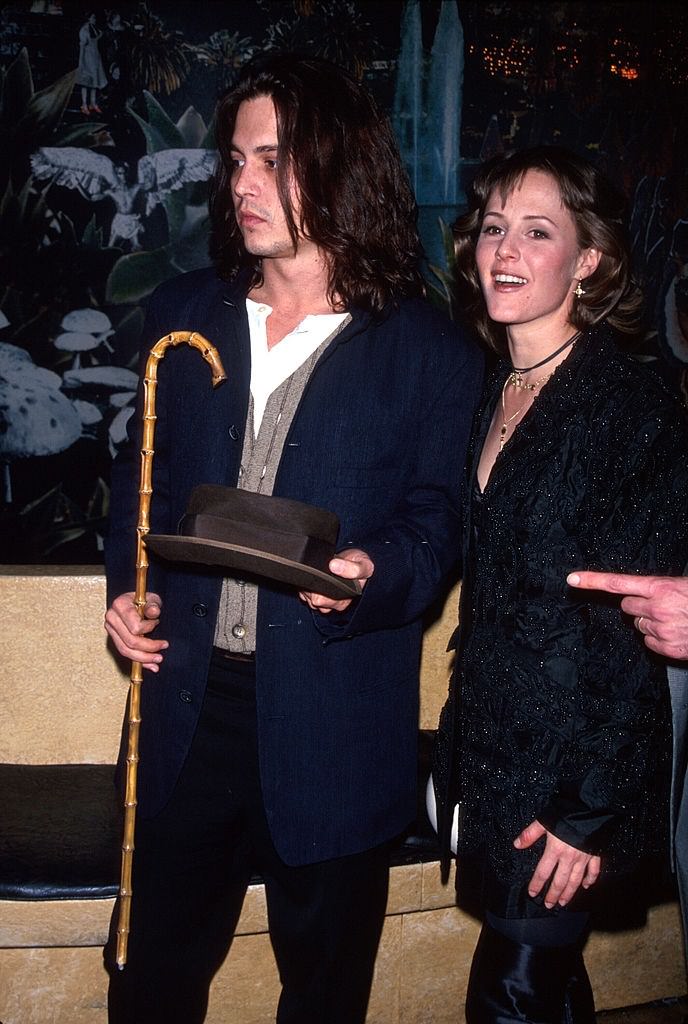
{"x":417,"y":548}
{"x":636,"y":520}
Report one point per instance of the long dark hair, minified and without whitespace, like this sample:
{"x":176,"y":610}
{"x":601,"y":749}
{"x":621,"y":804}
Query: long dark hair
{"x":599,"y":212}
{"x":356,"y":201}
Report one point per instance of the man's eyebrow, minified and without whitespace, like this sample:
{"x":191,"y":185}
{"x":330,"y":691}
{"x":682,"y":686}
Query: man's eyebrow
{"x":269,"y":147}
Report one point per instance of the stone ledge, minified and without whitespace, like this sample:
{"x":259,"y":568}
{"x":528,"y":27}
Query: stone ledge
{"x":420,"y":973}
{"x":50,"y":923}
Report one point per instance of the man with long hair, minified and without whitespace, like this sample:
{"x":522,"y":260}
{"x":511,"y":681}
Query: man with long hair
{"x":279,"y":727}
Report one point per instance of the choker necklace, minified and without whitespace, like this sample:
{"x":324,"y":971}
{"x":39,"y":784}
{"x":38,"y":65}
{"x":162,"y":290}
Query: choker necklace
{"x":515,"y":378}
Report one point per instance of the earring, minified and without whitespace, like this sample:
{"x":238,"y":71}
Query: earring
{"x":579,"y":291}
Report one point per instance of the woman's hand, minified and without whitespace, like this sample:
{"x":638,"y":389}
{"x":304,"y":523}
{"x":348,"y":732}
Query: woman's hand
{"x":568,"y":867}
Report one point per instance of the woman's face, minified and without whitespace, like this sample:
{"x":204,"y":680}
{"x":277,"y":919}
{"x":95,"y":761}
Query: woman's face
{"x":528,"y":257}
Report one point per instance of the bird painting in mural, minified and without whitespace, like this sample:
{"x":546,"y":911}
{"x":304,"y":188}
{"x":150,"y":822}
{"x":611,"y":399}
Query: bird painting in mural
{"x":98,"y":177}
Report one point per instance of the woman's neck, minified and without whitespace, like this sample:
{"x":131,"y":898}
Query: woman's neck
{"x":535,"y":353}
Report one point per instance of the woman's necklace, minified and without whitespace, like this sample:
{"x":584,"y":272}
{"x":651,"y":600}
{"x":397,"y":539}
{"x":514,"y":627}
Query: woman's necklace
{"x":506,"y":420}
{"x":515,"y":378}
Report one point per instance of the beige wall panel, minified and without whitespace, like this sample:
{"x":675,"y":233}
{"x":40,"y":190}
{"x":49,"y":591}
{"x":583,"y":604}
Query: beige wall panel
{"x":246,"y":988}
{"x":61,"y":694}
{"x":53,"y":637}
{"x":638,"y":965}
{"x":436,"y":663}
{"x":52,"y":986}
{"x":434,"y":894}
{"x":383,"y":1007}
{"x":54,"y":923}
{"x":254,"y":913}
{"x":420,"y":975}
{"x":436,"y":952}
{"x":405,"y":885}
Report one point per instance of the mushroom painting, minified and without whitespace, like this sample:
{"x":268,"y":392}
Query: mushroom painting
{"x":35,"y":417}
{"x":114,"y":385}
{"x":82,"y":331}
{"x":103,"y":379}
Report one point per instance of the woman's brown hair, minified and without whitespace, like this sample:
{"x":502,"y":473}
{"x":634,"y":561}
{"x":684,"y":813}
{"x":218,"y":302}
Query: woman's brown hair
{"x":599,"y":211}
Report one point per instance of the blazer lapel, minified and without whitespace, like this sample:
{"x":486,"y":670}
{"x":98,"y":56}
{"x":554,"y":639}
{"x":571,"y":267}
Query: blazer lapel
{"x":235,"y":347}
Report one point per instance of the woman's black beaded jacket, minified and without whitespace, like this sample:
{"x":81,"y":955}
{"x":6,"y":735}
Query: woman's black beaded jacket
{"x":557,"y":711}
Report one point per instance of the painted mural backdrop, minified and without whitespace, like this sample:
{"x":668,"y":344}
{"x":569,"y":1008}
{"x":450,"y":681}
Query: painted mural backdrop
{"x":106,"y":147}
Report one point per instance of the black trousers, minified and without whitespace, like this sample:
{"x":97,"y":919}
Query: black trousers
{"x":192,"y":865}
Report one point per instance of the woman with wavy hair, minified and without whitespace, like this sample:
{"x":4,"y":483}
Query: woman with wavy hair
{"x":554,"y":742}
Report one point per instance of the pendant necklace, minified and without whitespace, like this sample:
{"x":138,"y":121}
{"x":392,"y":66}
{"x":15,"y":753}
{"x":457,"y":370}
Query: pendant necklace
{"x":506,"y":420}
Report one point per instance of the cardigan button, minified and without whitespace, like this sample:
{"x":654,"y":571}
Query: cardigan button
{"x":185,"y":696}
{"x":234,"y":432}
{"x":200,"y":610}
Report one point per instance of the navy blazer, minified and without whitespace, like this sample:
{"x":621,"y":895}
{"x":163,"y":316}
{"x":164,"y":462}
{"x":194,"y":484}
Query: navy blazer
{"x":379,"y":437}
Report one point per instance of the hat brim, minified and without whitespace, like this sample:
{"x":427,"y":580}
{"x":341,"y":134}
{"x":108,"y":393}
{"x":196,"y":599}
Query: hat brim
{"x":177,"y":548}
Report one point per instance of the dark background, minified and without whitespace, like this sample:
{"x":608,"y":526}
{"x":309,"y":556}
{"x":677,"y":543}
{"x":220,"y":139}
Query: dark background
{"x":609,"y":80}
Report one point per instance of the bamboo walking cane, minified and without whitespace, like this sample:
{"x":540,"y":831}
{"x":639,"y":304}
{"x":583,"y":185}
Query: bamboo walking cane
{"x":150,"y":383}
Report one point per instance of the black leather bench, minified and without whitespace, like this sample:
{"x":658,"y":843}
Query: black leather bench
{"x":61,"y":830}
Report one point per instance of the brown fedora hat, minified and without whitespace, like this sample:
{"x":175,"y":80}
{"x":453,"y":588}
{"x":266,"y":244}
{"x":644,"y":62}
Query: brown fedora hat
{"x":284,"y":540}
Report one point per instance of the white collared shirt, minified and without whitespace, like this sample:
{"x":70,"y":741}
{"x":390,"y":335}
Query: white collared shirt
{"x":271,"y":367}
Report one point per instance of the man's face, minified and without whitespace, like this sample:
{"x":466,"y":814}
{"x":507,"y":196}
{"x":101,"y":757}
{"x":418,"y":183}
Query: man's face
{"x":257,"y":206}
